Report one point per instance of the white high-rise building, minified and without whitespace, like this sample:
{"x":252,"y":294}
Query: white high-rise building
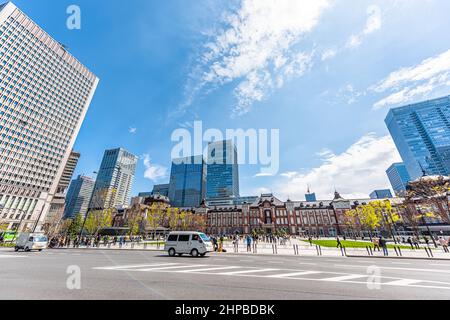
{"x":114,"y":180}
{"x":44,"y":96}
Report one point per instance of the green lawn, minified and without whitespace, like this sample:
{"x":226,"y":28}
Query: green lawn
{"x":350,"y":244}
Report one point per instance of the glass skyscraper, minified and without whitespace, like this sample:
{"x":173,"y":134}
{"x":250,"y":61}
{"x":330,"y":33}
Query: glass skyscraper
{"x":78,"y":196}
{"x":114,"y":180}
{"x":187,"y":182}
{"x":399,"y":178}
{"x":222,"y":179}
{"x":421,"y":133}
{"x":45,"y":93}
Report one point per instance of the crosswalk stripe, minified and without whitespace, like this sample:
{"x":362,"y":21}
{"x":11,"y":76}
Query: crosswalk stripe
{"x":208,"y":269}
{"x":173,"y":267}
{"x":343,"y":278}
{"x":304,"y":273}
{"x":403,"y":282}
{"x":136,"y":266}
{"x":247,"y":271}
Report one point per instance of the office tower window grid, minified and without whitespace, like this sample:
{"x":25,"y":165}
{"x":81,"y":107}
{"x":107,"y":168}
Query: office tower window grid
{"x":421,"y":133}
{"x":44,"y":95}
{"x":115,"y":179}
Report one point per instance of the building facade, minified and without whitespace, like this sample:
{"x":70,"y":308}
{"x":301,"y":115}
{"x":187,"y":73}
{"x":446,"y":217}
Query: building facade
{"x":58,"y":203}
{"x":381,"y":194}
{"x":268,"y":214}
{"x":161,"y":189}
{"x":222,"y":170}
{"x":78,"y":197}
{"x":44,"y":96}
{"x":399,"y":177}
{"x":187,"y":182}
{"x":114,"y":180}
{"x":421,"y":133}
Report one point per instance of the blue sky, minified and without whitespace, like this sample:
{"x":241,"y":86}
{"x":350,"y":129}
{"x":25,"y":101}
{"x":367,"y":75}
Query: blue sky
{"x":323,"y":72}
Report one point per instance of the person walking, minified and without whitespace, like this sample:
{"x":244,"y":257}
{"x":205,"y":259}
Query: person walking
{"x":383,"y":244}
{"x":339,"y":244}
{"x":444,"y":244}
{"x":249,"y":243}
{"x":410,"y":243}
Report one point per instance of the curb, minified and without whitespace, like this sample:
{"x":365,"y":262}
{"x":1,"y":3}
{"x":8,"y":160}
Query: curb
{"x":399,"y":258}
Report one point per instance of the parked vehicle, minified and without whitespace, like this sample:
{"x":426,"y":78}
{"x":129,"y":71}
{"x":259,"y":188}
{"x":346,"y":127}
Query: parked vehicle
{"x":31,"y":241}
{"x":193,"y":243}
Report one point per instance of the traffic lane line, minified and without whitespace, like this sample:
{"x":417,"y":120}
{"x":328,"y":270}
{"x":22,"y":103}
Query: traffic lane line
{"x":395,"y":268}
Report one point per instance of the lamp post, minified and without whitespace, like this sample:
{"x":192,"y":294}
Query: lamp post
{"x":89,"y":210}
{"x":428,"y":227}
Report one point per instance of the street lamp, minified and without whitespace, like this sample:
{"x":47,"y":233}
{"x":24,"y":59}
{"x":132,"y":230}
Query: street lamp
{"x":428,"y":227}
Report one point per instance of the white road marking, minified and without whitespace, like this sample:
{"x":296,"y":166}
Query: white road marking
{"x":401,"y":263}
{"x":395,"y":268}
{"x":135,"y":266}
{"x":343,"y":278}
{"x":300,"y":275}
{"x":402,"y":282}
{"x":172,"y":267}
{"x":208,"y":269}
{"x":247,"y":271}
{"x":6,"y":256}
{"x":304,"y":273}
{"x":308,"y":264}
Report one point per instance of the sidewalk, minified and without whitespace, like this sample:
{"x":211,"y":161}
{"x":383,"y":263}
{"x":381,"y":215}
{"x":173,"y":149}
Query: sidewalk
{"x":295,"y":248}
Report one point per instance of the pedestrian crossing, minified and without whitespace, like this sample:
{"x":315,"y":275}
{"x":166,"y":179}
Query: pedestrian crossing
{"x":276,"y":273}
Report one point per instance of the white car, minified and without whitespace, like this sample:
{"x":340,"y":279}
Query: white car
{"x":31,"y":241}
{"x":193,"y":243}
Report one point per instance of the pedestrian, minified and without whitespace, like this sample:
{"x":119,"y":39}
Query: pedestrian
{"x":339,"y":244}
{"x":383,"y":244}
{"x":249,"y":243}
{"x":376,"y":244}
{"x":426,"y":241}
{"x":410,"y":243}
{"x":444,"y":244}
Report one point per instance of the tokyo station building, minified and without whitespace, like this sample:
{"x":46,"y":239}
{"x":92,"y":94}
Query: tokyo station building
{"x":269,"y":215}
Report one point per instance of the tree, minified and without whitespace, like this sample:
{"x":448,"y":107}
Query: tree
{"x":431,"y":191}
{"x":351,"y":220}
{"x":98,"y":220}
{"x":368,"y":218}
{"x":154,"y":217}
{"x":134,"y":219}
{"x":75,"y":225}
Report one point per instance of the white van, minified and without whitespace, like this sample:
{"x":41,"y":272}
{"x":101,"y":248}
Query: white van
{"x":193,"y":243}
{"x":31,"y":241}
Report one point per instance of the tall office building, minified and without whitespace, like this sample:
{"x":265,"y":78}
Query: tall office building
{"x":222,"y":179}
{"x":114,"y":180}
{"x":44,"y":96}
{"x":381,"y":194}
{"x":162,"y":189}
{"x":421,"y":133}
{"x":310,"y":196}
{"x":59,"y":199}
{"x":187,"y":182}
{"x":78,"y":196}
{"x":399,"y":178}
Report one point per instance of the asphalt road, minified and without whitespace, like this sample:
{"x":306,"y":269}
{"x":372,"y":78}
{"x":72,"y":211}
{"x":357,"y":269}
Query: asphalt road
{"x":152,"y":275}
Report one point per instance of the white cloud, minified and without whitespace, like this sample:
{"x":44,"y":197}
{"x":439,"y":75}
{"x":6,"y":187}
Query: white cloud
{"x":329,"y":54}
{"x":258,"y":48}
{"x":374,"y":23}
{"x":132,"y":130}
{"x":354,"y":173}
{"x":416,"y":82}
{"x":153,"y":172}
